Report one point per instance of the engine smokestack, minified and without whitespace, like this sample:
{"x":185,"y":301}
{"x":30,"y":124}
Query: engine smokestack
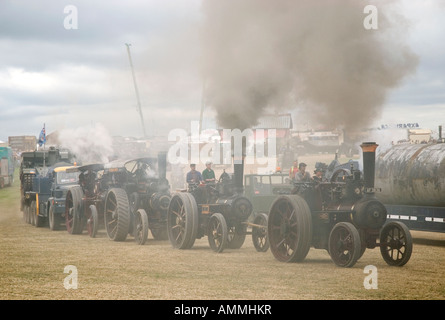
{"x":238,"y":175}
{"x":238,"y":166}
{"x":162,"y":165}
{"x":368,"y":149}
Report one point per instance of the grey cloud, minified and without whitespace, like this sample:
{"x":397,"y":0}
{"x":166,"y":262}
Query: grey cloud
{"x":98,"y":21}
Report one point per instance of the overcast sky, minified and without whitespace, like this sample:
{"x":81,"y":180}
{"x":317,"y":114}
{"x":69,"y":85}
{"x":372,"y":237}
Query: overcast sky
{"x":71,"y":78}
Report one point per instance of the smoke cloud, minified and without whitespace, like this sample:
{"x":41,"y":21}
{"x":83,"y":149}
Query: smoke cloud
{"x":91,"y":144}
{"x":313,"y":56}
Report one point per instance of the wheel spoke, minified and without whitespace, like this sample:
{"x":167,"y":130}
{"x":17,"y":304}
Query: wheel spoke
{"x":280,"y":243}
{"x":179,"y":236}
{"x":113,"y":202}
{"x":113,"y":231}
{"x":291,"y":216}
{"x":289,"y":250}
{"x":176,"y":213}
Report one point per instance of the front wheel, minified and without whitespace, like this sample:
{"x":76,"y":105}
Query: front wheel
{"x":92,"y":221}
{"x":344,"y":244}
{"x":140,"y":226}
{"x":74,"y":210}
{"x":396,"y":243}
{"x":259,"y":233}
{"x":236,"y":236}
{"x":217,"y":232}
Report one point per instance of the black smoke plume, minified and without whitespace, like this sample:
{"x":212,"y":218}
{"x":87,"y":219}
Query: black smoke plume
{"x":313,"y":56}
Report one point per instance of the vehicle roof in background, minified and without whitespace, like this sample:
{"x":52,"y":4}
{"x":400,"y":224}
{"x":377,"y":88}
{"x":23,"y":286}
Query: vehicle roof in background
{"x":64,"y":168}
{"x":56,"y":166}
{"x":92,"y":167}
{"x":123,"y":163}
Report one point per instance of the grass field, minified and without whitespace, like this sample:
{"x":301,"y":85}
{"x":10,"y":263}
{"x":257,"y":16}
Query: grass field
{"x":33,"y":261}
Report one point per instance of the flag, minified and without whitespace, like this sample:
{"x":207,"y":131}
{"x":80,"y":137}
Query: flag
{"x":42,"y":137}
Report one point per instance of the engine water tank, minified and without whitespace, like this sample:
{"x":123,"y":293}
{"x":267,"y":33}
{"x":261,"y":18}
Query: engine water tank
{"x":412,"y":174}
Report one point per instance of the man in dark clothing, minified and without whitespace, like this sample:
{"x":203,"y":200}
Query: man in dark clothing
{"x":194,"y":176}
{"x":318,"y":175}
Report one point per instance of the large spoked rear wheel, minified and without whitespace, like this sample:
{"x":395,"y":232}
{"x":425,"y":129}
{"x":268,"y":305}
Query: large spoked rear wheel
{"x":140,"y":226}
{"x":182,"y":220}
{"x":73,"y":210}
{"x":259,"y":233}
{"x":117,"y":214}
{"x":289,"y":228}
{"x":92,"y":221}
{"x":217,"y":232}
{"x":344,"y":244}
{"x":396,"y":243}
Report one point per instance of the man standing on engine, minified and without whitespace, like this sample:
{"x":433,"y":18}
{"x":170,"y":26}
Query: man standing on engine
{"x":318,"y":175}
{"x":194,"y":176}
{"x":208,"y":175}
{"x":302,"y":175}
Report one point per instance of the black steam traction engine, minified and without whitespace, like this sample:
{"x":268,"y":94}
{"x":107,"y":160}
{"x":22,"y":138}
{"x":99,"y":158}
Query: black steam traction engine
{"x":218,"y":211}
{"x":342,"y":216}
{"x":82,"y":200}
{"x":131,"y":197}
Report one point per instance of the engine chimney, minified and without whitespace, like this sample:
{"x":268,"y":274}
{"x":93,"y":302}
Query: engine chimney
{"x":162,"y":165}
{"x":238,"y":166}
{"x":238,"y":176}
{"x":368,"y":149}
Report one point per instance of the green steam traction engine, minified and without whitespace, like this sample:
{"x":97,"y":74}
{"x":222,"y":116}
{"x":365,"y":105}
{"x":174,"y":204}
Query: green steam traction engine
{"x":342,"y":216}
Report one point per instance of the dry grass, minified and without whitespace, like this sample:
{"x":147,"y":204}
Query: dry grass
{"x":33,"y":262}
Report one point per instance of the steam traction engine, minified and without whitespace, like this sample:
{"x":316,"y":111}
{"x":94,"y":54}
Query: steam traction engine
{"x":218,"y":211}
{"x":342,"y":216}
{"x":131,"y":197}
{"x":83,"y":200}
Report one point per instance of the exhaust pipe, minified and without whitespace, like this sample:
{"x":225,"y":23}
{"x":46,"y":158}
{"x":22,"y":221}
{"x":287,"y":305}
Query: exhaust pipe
{"x":368,"y":149}
{"x":369,"y":212}
{"x":162,"y":165}
{"x":238,"y":175}
{"x":238,"y":166}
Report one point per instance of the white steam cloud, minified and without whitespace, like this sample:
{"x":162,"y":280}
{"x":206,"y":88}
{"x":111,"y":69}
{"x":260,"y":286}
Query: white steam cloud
{"x":92,"y":144}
